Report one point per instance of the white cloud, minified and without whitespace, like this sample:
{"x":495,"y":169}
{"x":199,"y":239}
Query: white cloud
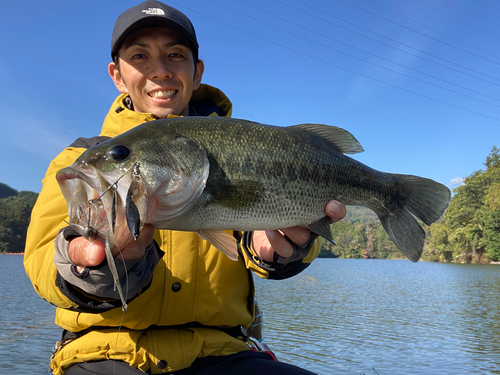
{"x":456,"y":182}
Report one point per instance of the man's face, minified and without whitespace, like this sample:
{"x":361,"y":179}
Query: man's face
{"x":157,"y":70}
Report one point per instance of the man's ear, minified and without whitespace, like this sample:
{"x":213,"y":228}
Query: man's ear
{"x":198,"y":74}
{"x":115,"y":75}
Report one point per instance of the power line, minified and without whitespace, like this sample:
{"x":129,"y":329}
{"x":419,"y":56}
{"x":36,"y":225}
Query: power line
{"x":392,"y":40}
{"x":369,"y":53}
{"x":457,"y":19}
{"x":431,"y":28}
{"x":418,"y":32}
{"x":335,"y":65}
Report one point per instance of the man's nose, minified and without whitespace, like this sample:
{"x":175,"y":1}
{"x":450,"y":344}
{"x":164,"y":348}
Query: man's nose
{"x":161,"y":70}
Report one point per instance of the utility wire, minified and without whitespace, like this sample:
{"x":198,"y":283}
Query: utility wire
{"x":334,"y":65}
{"x":418,"y":32}
{"x":369,"y":53}
{"x":431,"y":28}
{"x":392,"y":40}
{"x":457,"y":19}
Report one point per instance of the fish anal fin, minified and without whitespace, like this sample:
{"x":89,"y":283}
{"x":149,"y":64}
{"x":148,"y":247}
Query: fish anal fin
{"x":222,"y":241}
{"x":322,"y":228}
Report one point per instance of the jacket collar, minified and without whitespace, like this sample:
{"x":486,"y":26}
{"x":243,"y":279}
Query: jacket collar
{"x":206,"y":101}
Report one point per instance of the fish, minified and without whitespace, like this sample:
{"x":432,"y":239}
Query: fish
{"x":211,"y":175}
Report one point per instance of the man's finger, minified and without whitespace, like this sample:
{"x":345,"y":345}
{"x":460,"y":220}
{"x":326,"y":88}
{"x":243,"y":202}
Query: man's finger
{"x":336,"y":211}
{"x":298,"y":235}
{"x":135,"y":248}
{"x":86,"y":254}
{"x":278,"y":244}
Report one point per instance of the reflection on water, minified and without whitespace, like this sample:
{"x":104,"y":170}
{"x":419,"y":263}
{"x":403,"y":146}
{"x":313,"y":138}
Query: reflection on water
{"x":337,"y":317}
{"x":350,"y":316}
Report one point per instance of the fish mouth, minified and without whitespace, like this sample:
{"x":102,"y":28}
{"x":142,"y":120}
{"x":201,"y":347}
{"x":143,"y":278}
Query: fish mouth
{"x":84,"y":183}
{"x":80,"y":185}
{"x":96,"y":201}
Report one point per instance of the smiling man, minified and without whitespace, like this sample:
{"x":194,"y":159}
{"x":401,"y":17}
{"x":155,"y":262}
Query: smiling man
{"x":156,"y":67}
{"x":187,"y":302}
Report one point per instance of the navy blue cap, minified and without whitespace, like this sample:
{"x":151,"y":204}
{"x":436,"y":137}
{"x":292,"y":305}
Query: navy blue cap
{"x":152,"y":14}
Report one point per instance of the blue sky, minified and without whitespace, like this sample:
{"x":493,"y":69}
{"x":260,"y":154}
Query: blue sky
{"x":416,"y":81}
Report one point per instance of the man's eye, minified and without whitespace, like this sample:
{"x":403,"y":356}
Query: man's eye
{"x":139,"y":56}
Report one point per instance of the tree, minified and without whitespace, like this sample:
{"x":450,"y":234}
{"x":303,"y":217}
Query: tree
{"x":15,"y":212}
{"x":7,"y":191}
{"x":471,"y":226}
{"x":360,"y":235}
{"x":490,"y":217}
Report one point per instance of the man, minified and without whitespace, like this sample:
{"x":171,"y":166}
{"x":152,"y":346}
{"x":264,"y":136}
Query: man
{"x":187,"y":301}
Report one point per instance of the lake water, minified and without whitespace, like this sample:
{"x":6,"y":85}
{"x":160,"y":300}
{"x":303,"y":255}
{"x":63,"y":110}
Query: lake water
{"x":337,"y":317}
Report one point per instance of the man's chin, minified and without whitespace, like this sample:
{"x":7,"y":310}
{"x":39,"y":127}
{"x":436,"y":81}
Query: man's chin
{"x":164,"y":113}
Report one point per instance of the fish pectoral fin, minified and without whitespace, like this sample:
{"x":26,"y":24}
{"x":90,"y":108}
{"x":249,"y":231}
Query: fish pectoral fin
{"x":322,"y":228}
{"x":222,"y":241}
{"x":235,"y":194}
{"x":341,"y":138}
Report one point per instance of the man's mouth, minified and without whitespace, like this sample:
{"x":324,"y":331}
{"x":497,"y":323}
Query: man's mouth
{"x":162,"y":94}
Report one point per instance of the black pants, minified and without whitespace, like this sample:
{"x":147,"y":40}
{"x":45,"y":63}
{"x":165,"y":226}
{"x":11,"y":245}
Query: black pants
{"x":243,"y":363}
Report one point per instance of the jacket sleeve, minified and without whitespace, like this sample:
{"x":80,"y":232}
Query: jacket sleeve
{"x":93,"y":289}
{"x":279,"y":269}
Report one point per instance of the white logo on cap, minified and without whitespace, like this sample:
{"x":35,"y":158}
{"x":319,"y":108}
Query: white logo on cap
{"x":156,"y":11}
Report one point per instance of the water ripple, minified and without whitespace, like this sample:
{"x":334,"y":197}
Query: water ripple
{"x":350,"y":316}
{"x":337,"y":317}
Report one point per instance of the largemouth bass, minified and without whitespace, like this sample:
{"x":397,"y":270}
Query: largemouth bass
{"x":207,"y":174}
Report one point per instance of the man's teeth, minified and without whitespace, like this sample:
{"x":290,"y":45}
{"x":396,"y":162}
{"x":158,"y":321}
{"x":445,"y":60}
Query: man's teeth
{"x":162,"y":94}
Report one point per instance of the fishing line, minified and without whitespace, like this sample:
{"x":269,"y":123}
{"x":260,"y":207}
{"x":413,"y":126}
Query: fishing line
{"x":112,"y":264}
{"x":118,"y":336}
{"x":114,"y":185}
{"x":123,"y":298}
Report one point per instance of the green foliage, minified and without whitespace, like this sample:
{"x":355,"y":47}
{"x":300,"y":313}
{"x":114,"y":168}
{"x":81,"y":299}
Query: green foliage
{"x":470,"y":229}
{"x":15,"y":212}
{"x":359,"y":235}
{"x":7,"y":191}
{"x":468,"y":232}
{"x":490,"y":217}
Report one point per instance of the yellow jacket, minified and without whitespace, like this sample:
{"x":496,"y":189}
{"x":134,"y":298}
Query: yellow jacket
{"x":193,"y":281}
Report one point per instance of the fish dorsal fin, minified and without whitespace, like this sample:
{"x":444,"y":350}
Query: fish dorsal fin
{"x":341,"y":138}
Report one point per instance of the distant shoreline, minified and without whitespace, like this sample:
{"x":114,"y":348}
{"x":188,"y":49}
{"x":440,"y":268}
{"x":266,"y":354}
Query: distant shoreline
{"x":12,"y":254}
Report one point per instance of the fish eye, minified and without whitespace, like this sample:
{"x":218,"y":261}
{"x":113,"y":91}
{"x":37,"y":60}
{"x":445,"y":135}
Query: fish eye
{"x":119,"y":152}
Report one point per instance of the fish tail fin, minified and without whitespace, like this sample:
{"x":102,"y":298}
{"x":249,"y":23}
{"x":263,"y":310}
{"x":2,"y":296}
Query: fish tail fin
{"x":424,"y":199}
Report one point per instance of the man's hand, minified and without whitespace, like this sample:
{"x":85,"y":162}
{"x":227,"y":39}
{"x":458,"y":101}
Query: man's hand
{"x":84,"y":253}
{"x":265,"y":243}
